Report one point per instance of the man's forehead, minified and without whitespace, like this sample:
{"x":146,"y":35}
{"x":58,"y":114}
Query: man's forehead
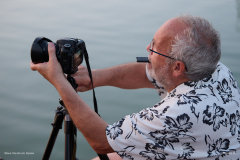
{"x":169,"y":29}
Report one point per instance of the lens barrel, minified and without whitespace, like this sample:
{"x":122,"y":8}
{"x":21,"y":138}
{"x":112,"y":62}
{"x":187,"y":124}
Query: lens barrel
{"x":39,"y":50}
{"x":69,"y":52}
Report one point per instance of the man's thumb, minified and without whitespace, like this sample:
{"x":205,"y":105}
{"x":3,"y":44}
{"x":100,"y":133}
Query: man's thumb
{"x":51,"y":51}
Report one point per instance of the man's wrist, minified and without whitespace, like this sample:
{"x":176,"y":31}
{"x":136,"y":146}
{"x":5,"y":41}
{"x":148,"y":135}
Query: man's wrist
{"x":59,"y":80}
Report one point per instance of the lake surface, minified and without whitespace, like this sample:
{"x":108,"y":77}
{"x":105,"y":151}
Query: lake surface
{"x":115,"y":32}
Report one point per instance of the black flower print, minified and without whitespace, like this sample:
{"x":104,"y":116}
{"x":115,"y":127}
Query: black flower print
{"x":147,"y":114}
{"x":115,"y":130}
{"x":224,"y":91}
{"x":234,"y":120}
{"x":208,"y":78}
{"x":163,"y":112}
{"x":164,"y":138}
{"x":217,"y":72}
{"x":181,"y":127}
{"x":187,"y":151}
{"x":160,"y":92}
{"x":200,"y":84}
{"x":190,"y":83}
{"x":123,"y":154}
{"x":232,"y":80}
{"x":220,"y":147}
{"x":182,"y":124}
{"x":172,"y":93}
{"x":193,"y":109}
{"x":153,"y":152}
{"x":154,"y":82}
{"x":134,"y":127}
{"x":212,"y":114}
{"x":190,"y":98}
{"x":159,"y":104}
{"x":159,"y":88}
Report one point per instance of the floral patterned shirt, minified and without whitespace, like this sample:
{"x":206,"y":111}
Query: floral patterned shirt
{"x":196,"y":120}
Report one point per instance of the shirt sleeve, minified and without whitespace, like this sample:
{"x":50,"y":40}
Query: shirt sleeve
{"x":129,"y":136}
{"x":138,"y":136}
{"x":158,"y":86}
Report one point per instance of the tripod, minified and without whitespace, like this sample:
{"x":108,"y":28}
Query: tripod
{"x":69,"y":129}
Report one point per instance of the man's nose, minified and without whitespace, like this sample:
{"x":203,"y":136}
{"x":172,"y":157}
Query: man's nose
{"x":148,"y":48}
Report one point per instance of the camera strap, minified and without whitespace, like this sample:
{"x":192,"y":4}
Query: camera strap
{"x":90,"y":75}
{"x":101,"y":156}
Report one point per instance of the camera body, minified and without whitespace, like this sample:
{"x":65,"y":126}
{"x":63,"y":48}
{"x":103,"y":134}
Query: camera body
{"x":69,"y":52}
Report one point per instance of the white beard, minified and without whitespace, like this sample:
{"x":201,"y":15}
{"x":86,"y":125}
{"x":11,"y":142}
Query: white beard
{"x":161,"y":75}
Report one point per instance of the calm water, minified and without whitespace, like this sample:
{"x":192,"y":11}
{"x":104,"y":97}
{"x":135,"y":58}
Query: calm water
{"x":115,"y":32}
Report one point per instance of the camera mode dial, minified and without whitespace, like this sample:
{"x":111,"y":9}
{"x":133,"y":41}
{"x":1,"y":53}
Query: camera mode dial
{"x":67,"y":46}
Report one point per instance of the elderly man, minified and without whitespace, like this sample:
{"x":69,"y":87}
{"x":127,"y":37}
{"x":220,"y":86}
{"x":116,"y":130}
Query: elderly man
{"x":198,"y":116}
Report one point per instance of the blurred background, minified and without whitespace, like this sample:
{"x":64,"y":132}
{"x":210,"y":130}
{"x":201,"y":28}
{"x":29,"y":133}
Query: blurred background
{"x":115,"y":32}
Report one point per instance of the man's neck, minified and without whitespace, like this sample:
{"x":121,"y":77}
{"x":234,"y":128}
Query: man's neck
{"x":176,"y":83}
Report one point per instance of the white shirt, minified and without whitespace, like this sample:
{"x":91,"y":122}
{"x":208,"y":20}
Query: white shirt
{"x":196,"y":120}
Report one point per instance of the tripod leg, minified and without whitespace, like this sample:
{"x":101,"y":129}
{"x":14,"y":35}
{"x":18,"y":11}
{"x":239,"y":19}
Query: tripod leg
{"x":57,"y":124}
{"x":70,"y":138}
{"x":70,"y":131}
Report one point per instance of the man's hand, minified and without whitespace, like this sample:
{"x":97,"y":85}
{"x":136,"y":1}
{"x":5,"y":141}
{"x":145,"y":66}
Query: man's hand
{"x":82,"y":79}
{"x":126,"y":76}
{"x":51,"y":70}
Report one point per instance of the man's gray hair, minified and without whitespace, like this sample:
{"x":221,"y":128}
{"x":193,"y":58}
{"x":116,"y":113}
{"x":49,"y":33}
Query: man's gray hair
{"x":198,"y":47}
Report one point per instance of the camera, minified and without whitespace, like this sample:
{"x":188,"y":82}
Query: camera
{"x":69,"y":52}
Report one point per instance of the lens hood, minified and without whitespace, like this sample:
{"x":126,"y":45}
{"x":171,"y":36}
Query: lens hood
{"x":39,"y":50}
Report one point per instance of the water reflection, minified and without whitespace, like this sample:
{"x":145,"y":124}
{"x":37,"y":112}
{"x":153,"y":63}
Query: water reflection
{"x":238,"y":15}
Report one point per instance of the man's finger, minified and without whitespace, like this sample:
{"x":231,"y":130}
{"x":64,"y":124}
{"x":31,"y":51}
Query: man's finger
{"x":33,"y":66}
{"x":38,"y":66}
{"x":51,"y":51}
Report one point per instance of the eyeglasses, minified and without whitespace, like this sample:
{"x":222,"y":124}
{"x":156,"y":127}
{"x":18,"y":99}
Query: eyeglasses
{"x":151,"y":46}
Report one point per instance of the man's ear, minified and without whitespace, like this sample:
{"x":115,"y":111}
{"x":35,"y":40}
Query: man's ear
{"x":178,"y":68}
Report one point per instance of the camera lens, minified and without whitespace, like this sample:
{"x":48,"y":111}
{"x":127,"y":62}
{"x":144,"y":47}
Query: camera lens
{"x":39,"y":51}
